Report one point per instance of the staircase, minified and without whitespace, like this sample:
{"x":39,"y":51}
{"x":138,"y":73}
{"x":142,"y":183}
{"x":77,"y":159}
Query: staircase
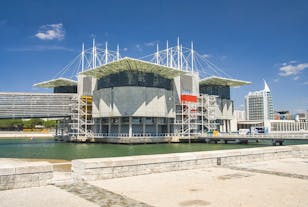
{"x":81,"y":116}
{"x":209,"y":112}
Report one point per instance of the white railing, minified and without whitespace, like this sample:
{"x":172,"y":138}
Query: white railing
{"x":126,"y":135}
{"x":258,"y":136}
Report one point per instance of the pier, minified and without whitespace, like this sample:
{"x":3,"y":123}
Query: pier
{"x":199,"y":138}
{"x":274,"y":138}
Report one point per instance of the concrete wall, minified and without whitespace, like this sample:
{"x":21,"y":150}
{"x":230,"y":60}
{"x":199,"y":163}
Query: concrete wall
{"x":133,"y":101}
{"x":86,"y":85}
{"x":106,"y":168}
{"x":224,"y":109}
{"x":18,"y":174}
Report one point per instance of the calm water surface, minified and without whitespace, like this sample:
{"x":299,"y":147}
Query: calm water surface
{"x":49,"y":149}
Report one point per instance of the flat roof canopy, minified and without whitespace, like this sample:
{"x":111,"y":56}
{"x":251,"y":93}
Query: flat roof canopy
{"x":250,"y":122}
{"x":130,"y":64}
{"x":214,"y":80}
{"x":56,"y":83}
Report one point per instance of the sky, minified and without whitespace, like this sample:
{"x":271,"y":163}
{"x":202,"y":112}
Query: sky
{"x":251,"y":40}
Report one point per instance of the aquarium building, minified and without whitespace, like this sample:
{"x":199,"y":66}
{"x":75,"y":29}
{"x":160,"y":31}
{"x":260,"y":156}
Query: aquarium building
{"x":115,"y":97}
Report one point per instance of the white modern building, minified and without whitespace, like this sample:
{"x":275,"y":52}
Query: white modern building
{"x":260,"y":115}
{"x":162,"y":96}
{"x":259,"y":105}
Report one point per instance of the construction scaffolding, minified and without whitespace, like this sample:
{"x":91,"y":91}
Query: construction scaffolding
{"x":81,"y":118}
{"x":196,"y":117}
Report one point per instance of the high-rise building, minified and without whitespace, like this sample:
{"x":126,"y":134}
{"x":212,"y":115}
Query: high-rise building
{"x":259,"y":105}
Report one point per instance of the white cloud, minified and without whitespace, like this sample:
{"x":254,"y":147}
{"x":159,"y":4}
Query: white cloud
{"x":206,"y":55}
{"x":51,"y":32}
{"x":291,"y":69}
{"x":139,"y":47}
{"x":296,"y":78}
{"x":276,"y":80}
{"x":151,"y":44}
{"x":125,"y":49}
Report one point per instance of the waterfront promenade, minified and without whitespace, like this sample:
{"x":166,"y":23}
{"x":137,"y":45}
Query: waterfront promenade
{"x":269,"y":176}
{"x":268,"y":183}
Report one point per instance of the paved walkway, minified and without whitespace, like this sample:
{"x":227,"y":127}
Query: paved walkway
{"x":101,"y":196}
{"x":49,"y":196}
{"x":270,"y":183}
{"x":218,"y":186}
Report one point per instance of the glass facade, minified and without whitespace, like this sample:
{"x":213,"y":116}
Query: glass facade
{"x":134,"y":79}
{"x":65,"y":89}
{"x":140,"y":125}
{"x":222,"y":91}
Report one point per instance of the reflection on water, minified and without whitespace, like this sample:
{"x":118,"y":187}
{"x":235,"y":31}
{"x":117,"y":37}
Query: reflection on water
{"x":49,"y":149}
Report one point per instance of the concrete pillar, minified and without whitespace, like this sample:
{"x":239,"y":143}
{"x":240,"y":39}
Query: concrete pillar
{"x":109,"y":125}
{"x":119,"y":126}
{"x":130,"y":127}
{"x":221,"y":127}
{"x":156,"y":125}
{"x":168,"y":125}
{"x":143,"y":125}
{"x":228,"y":125}
{"x":100,"y":125}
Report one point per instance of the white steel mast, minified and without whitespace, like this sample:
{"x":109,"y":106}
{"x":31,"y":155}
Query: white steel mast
{"x":106,"y":52}
{"x":118,"y":52}
{"x":82,"y":58}
{"x":181,"y":58}
{"x":93,"y":54}
{"x":167,"y":53}
{"x":178,"y":52}
{"x":157,"y":54}
{"x":192,"y":56}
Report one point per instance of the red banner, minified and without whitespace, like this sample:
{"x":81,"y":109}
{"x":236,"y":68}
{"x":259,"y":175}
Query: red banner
{"x":189,"y":98}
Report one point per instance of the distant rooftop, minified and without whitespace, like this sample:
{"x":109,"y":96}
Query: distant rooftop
{"x":56,"y":83}
{"x":214,"y":80}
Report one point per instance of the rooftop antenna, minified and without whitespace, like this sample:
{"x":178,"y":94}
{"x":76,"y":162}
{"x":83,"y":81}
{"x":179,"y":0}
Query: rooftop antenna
{"x":178,"y":51}
{"x":106,"y":53}
{"x":192,"y":56}
{"x":266,"y":88}
{"x":157,"y":54}
{"x":93,"y":54}
{"x":118,"y":52}
{"x":167,"y":53}
{"x":82,"y":58}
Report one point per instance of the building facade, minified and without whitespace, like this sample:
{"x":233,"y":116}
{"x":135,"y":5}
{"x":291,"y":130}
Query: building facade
{"x":134,"y":98}
{"x":259,"y":105}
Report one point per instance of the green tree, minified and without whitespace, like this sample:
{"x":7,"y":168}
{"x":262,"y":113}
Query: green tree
{"x":50,"y":124}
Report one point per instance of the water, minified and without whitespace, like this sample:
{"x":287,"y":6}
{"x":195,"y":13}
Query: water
{"x":49,"y":149}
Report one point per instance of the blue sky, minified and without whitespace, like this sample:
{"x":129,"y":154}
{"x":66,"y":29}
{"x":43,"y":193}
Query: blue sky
{"x":251,"y":40}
